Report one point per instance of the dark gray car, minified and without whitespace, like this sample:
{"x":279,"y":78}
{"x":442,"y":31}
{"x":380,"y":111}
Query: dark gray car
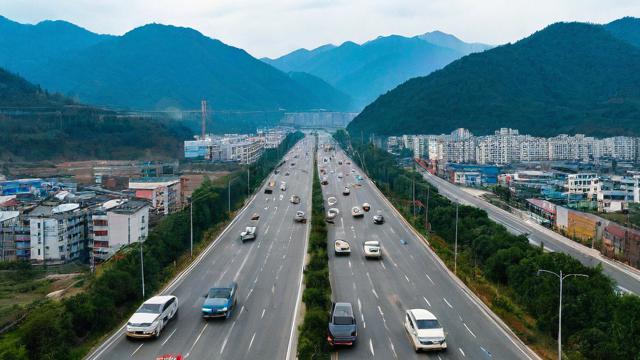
{"x":343,"y":329}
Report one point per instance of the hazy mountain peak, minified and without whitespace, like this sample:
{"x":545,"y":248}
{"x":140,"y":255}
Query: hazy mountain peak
{"x":443,"y":39}
{"x":626,"y":29}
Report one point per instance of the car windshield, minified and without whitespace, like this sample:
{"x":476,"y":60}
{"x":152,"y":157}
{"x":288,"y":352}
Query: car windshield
{"x":428,"y":324}
{"x":218,"y":293}
{"x":150,"y":308}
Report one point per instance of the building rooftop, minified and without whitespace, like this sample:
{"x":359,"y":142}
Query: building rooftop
{"x":8,"y":215}
{"x":130,"y":207}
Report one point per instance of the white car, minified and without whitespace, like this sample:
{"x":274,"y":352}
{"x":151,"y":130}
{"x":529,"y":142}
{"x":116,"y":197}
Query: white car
{"x":331,"y":215}
{"x":300,"y":217}
{"x":295,"y":199}
{"x":342,"y":247}
{"x":356,"y":212}
{"x":366,"y":207}
{"x":424,"y":330}
{"x":152,"y":316}
{"x":283,"y":186}
{"x":332,"y":201}
{"x":340,"y":175}
{"x":372,"y":249}
{"x":346,"y":191}
{"x":249,"y":233}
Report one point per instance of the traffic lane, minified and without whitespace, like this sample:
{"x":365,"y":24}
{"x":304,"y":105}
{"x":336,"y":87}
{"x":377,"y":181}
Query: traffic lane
{"x":186,"y":322}
{"x":624,"y":276}
{"x":459,"y":326}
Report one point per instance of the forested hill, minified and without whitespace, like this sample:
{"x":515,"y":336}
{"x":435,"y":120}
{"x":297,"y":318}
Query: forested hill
{"x":566,"y":78}
{"x":36,"y":125}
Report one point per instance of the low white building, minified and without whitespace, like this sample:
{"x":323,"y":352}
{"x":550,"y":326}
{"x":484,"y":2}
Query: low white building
{"x":58,"y":234}
{"x":117,"y":223}
{"x":579,"y":183}
{"x":162,"y":192}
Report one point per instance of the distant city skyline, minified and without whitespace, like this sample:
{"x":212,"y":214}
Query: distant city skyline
{"x":274,"y":28}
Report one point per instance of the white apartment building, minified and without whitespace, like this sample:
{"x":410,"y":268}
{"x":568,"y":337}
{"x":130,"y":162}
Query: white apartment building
{"x":117,"y":223}
{"x":245,"y":152}
{"x":579,"y":183}
{"x":162,"y":192}
{"x":58,"y":234}
{"x":614,"y":193}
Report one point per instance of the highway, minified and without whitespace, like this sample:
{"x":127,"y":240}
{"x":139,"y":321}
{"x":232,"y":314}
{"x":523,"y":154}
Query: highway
{"x":268,"y":271}
{"x":410,"y":275}
{"x":626,"y":277}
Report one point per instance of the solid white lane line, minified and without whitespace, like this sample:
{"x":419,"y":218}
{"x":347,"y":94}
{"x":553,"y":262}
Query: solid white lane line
{"x":375,"y":293}
{"x":227,"y":337}
{"x":169,"y":337}
{"x":445,"y":300}
{"x":371,"y":347}
{"x":197,"y":338}
{"x":263,"y":311}
{"x":380,"y":311}
{"x":427,"y":301}
{"x":462,"y":352}
{"x":429,"y":277}
{"x":251,"y":342}
{"x":469,"y":330}
{"x":136,"y":350}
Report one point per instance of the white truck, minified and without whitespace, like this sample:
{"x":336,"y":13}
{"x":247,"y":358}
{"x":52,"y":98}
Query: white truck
{"x":248,"y":234}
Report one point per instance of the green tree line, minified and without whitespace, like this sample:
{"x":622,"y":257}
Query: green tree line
{"x":597,"y":323}
{"x":312,"y":343}
{"x":66,"y":329}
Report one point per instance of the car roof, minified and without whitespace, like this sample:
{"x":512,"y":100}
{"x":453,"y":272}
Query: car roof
{"x":343,"y":309}
{"x":161,"y":299}
{"x":372,"y":242}
{"x":422,"y":314}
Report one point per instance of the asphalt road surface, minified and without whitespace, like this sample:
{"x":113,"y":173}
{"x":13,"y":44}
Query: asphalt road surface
{"x":409,"y":276}
{"x":268,"y":272}
{"x":628,"y":279}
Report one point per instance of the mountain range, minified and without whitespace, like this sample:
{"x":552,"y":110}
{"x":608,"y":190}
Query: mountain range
{"x":154,"y":67}
{"x":567,"y":78}
{"x":368,"y":70}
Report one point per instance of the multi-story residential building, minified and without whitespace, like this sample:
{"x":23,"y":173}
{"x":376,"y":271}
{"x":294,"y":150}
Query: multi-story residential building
{"x":58,"y":234}
{"x":579,"y":184}
{"x":163,"y":192}
{"x":534,"y":149}
{"x":614,"y":193}
{"x":9,"y":224}
{"x":117,"y":223}
{"x":21,"y":186}
{"x":232,"y":147}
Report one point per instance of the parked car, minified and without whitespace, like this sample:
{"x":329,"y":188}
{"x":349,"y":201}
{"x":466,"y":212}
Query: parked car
{"x":343,"y":329}
{"x":249,"y":233}
{"x":342,"y":247}
{"x":366,"y":207}
{"x":152,"y":316}
{"x":300,"y":217}
{"x":372,"y":249}
{"x":356,"y":212}
{"x":378,"y":219}
{"x":220,"y":301}
{"x":331,"y":215}
{"x":346,"y":191}
{"x":295,"y":199}
{"x":424,"y":330}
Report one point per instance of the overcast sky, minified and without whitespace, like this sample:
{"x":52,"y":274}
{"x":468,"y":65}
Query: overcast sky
{"x":275,"y":27}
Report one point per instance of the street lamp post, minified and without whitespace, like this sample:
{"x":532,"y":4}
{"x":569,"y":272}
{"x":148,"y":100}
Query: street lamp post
{"x":191,"y":201}
{"x":560,"y":276}
{"x":455,"y":253}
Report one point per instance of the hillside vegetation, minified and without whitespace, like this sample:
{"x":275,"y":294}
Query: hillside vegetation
{"x":567,"y":78}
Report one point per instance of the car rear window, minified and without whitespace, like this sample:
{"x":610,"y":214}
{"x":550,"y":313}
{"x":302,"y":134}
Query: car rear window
{"x":343,"y":320}
{"x":428,"y":324}
{"x":150,"y":308}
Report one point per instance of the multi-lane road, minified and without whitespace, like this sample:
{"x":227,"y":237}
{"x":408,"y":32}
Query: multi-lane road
{"x":268,"y":272}
{"x":409,"y":276}
{"x":627,"y":278}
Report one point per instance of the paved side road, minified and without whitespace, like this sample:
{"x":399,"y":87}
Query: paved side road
{"x":268,"y":272}
{"x":409,"y":276}
{"x":626,"y":277}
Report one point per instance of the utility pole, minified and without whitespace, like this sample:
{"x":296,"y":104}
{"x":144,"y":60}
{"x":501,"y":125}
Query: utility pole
{"x":248,"y":182}
{"x":141,"y":267}
{"x":413,"y":188}
{"x":561,"y":277}
{"x":455,"y":254}
{"x":426,"y":213}
{"x":191,"y":218}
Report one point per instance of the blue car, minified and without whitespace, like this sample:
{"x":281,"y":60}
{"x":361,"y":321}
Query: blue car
{"x":220,"y":301}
